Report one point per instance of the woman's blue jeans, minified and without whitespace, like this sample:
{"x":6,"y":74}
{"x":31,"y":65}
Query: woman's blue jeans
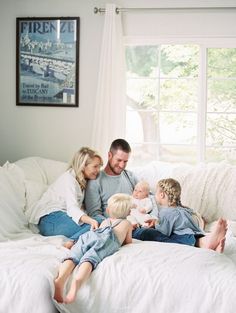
{"x":151,"y":234}
{"x":59,"y":223}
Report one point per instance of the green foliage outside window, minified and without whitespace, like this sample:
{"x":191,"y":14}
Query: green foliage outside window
{"x":165,"y":80}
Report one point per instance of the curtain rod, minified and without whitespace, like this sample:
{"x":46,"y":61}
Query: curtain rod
{"x":118,"y":10}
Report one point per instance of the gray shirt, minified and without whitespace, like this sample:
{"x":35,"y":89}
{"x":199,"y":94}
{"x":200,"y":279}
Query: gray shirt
{"x":98,"y":191}
{"x":177,"y":220}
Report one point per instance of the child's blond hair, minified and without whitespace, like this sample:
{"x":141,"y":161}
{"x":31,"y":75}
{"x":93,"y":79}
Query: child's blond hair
{"x":144,"y":185}
{"x":119,"y":205}
{"x":172,"y":189}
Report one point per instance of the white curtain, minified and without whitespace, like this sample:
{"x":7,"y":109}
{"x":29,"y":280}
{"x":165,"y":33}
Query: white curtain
{"x":110,"y":107}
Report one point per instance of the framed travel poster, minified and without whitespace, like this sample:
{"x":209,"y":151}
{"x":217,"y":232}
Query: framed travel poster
{"x":47,"y":61}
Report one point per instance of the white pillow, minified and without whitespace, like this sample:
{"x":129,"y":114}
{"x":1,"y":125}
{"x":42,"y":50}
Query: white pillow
{"x":53,"y":169}
{"x":34,"y":191}
{"x":209,"y":189}
{"x":12,"y":202}
{"x":153,"y":172}
{"x":32,"y":169}
{"x":41,"y":170}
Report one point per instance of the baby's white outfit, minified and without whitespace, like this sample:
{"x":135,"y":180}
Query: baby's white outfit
{"x":135,"y":215}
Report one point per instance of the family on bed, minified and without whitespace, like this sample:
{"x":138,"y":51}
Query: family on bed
{"x":99,"y":211}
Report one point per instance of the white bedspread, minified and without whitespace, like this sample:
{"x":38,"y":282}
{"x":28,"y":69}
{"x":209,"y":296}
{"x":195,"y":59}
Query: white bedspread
{"x":141,"y":277}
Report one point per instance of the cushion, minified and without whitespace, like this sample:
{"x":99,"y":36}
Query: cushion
{"x":41,"y":170}
{"x":34,"y":191}
{"x":153,"y":172}
{"x":39,"y":173}
{"x":12,"y":202}
{"x":209,"y":189}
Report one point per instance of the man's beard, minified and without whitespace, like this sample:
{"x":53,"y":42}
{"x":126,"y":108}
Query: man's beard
{"x":112,"y":168}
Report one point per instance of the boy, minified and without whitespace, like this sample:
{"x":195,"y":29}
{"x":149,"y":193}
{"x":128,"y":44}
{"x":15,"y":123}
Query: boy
{"x":93,"y":246}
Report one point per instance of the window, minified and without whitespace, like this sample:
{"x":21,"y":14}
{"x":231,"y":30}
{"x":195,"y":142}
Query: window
{"x":181,"y":103}
{"x":221,"y":105}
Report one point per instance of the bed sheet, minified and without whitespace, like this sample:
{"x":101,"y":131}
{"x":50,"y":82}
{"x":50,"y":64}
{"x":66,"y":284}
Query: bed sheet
{"x":140,"y":277}
{"x":27,"y":269}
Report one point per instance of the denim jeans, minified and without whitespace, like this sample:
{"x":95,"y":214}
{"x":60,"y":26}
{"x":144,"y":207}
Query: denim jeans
{"x":59,"y":223}
{"x":151,"y":234}
{"x":94,"y":246}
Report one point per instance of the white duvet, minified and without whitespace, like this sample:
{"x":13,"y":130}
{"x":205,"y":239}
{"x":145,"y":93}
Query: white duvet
{"x":141,"y":277}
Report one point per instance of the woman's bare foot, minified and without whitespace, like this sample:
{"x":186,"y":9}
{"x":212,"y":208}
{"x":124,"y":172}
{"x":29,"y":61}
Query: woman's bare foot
{"x":215,"y":239}
{"x":71,"y":295}
{"x":59,"y":286}
{"x":69,"y":244}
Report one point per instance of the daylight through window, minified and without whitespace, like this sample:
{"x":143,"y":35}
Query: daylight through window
{"x":172,"y":115}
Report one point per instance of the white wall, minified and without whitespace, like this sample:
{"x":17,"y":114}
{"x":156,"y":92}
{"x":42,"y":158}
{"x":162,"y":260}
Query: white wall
{"x":58,"y":132}
{"x":51,"y":132}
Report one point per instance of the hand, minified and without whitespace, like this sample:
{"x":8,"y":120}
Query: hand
{"x":88,"y":220}
{"x":150,"y":222}
{"x":142,"y":210}
{"x":134,"y":226}
{"x":94,"y":224}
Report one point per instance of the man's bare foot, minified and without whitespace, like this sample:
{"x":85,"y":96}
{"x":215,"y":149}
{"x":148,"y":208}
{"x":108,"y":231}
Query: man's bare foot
{"x":221,"y":246}
{"x":69,"y":244}
{"x":214,"y":239}
{"x":71,"y":295}
{"x":59,"y":286}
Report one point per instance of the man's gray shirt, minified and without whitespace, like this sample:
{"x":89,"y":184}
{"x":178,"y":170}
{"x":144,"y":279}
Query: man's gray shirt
{"x":98,"y":191}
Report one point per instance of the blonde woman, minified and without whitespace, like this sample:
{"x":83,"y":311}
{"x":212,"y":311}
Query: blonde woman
{"x":174,"y":218}
{"x":94,"y":246}
{"x":60,"y":209}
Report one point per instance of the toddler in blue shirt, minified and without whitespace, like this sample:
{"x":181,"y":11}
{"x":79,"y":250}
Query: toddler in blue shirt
{"x":95,"y":245}
{"x":178,"y":219}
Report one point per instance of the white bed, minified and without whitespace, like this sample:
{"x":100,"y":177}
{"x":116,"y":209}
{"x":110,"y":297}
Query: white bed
{"x":140,"y":277}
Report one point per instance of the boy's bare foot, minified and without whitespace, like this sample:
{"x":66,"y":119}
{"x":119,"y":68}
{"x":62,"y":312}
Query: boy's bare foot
{"x":71,"y":295}
{"x":214,"y":239}
{"x":59,"y":286}
{"x":69,"y":244}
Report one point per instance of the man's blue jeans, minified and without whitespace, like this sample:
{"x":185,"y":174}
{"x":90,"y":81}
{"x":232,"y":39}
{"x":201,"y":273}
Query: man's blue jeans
{"x":59,"y":223}
{"x":151,"y":234}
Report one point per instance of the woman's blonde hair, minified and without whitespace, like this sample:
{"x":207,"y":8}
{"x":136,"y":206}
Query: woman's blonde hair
{"x":80,"y":160}
{"x":119,"y":205}
{"x":172,"y":189}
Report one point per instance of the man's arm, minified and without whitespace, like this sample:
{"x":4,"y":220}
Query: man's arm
{"x":93,"y":201}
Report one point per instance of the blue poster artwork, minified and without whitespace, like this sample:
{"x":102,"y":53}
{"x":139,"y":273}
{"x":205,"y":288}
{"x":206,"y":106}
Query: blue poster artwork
{"x":47,"y":61}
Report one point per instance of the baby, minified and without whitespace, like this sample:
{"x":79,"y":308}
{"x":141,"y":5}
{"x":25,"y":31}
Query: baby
{"x":142,"y":204}
{"x":95,"y":245}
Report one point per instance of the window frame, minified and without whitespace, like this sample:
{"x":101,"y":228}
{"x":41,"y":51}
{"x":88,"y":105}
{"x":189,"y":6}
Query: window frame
{"x":204,"y":43}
